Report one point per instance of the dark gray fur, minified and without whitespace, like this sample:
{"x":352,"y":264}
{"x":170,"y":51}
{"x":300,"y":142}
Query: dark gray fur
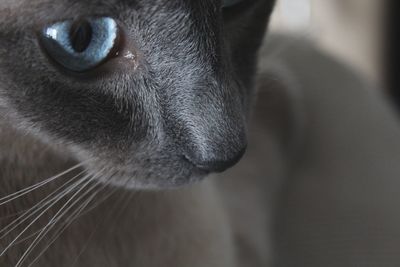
{"x":170,"y":117}
{"x":180,"y":114}
{"x":318,"y":185}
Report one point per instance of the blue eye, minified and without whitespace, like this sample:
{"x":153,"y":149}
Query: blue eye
{"x":81,"y":45}
{"x":229,"y":3}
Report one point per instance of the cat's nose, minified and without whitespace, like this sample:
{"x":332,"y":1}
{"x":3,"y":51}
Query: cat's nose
{"x":214,"y":164}
{"x":216,"y":151}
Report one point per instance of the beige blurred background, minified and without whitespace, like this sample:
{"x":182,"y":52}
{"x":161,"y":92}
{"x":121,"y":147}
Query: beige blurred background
{"x":349,"y":29}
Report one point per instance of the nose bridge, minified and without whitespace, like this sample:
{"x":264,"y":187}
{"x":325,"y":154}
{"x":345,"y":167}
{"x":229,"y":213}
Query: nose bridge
{"x":215,"y":127}
{"x":216,"y":141}
{"x":201,"y":109}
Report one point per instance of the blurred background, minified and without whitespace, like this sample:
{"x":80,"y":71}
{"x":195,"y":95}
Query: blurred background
{"x":351,"y":30}
{"x":347,"y":221}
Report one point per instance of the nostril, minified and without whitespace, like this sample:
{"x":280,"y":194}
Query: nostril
{"x":217,"y":165}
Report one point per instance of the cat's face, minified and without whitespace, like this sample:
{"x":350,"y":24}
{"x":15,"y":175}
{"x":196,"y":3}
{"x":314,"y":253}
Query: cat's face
{"x":153,"y":91}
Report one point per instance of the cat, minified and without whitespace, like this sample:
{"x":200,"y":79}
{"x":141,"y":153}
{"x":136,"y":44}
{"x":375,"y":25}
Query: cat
{"x":112,"y":114}
{"x":104,"y":161}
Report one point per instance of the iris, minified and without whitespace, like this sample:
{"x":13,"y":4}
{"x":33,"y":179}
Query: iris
{"x":80,"y":45}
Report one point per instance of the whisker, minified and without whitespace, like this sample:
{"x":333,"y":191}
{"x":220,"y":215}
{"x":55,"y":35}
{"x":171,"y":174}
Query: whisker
{"x":58,"y":198}
{"x":82,"y":214}
{"x":13,"y":196}
{"x":12,"y":215}
{"x":101,"y":200}
{"x":39,"y":206}
{"x":123,"y":197}
{"x":84,"y":248}
{"x":86,"y":245}
{"x":49,"y":225}
{"x":76,"y":214}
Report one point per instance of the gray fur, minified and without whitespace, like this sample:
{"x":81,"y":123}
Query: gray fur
{"x":319,"y":183}
{"x":180,"y":105}
{"x":174,"y":114}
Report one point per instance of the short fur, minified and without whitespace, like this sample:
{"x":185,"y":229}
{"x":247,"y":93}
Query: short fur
{"x":182,"y":103}
{"x":175,"y":113}
{"x":317,"y":187}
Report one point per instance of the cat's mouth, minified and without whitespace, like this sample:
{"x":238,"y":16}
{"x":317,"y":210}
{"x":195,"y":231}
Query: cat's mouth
{"x":149,"y":174}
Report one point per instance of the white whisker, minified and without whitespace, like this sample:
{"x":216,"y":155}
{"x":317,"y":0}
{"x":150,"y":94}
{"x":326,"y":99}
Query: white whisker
{"x":39,"y":206}
{"x":58,"y":198}
{"x":86,"y":245}
{"x":87,"y":211}
{"x":13,"y":196}
{"x":77,"y":213}
{"x":54,"y":218}
{"x":101,"y":200}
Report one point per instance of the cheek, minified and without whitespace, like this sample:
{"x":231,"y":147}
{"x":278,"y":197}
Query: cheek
{"x":84,"y":118}
{"x":82,"y":112}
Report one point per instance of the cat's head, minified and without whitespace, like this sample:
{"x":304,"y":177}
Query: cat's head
{"x":153,"y":91}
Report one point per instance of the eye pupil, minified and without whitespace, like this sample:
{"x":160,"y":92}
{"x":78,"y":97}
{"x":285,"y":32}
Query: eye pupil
{"x":81,"y":35}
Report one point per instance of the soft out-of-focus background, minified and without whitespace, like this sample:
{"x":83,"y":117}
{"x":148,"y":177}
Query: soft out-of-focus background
{"x":352,"y":30}
{"x":341,"y":217}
